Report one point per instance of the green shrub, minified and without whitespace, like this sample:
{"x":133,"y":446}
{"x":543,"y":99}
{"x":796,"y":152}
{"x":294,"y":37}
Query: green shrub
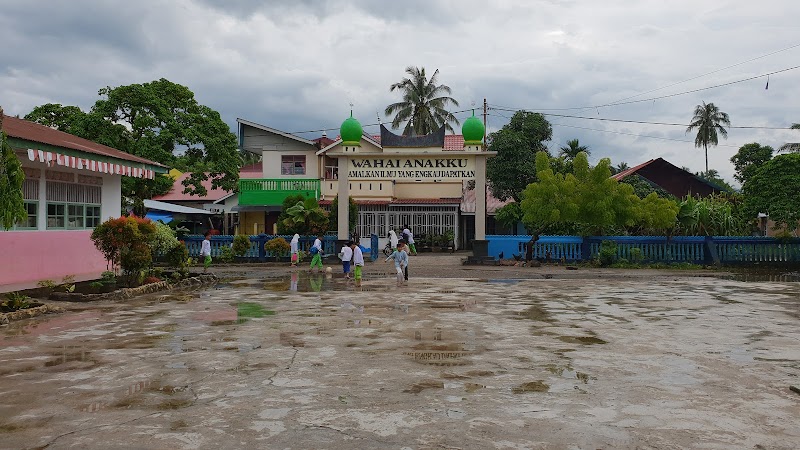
{"x":15,"y":301}
{"x":608,"y":253}
{"x":96,"y":285}
{"x":108,"y":277}
{"x":241,"y":244}
{"x":277,"y":247}
{"x":636,"y":255}
{"x":225,"y":254}
{"x":178,"y":258}
{"x":163,"y":239}
{"x":47,"y":284}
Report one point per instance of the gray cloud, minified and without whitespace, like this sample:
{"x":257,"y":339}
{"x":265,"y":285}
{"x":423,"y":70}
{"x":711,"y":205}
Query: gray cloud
{"x":298,"y":65}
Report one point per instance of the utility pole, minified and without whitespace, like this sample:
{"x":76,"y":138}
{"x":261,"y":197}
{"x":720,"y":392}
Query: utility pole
{"x":485,"y":111}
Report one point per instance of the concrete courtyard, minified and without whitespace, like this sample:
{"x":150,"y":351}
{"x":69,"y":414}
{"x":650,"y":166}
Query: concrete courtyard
{"x":461,"y":358}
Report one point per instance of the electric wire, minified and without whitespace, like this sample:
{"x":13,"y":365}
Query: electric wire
{"x":662,"y":96}
{"x":644,"y":122}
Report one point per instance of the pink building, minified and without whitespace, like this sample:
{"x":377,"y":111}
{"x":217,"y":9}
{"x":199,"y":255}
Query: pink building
{"x":71,"y":185}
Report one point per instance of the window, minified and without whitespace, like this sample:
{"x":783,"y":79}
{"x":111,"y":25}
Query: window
{"x":56,"y":215}
{"x":92,"y":216}
{"x":32,"y":208}
{"x":293,"y":165}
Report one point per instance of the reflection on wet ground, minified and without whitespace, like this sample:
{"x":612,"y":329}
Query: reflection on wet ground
{"x":310,"y":361}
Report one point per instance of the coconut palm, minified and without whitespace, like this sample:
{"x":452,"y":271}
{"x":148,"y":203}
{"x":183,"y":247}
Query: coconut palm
{"x":791,"y":146}
{"x":571,"y":150}
{"x":621,"y":167}
{"x":423,"y":105}
{"x":709,"y":121}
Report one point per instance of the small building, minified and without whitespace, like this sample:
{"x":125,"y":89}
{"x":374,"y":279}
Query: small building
{"x":396,"y":180}
{"x":71,"y":185}
{"x":671,"y":178}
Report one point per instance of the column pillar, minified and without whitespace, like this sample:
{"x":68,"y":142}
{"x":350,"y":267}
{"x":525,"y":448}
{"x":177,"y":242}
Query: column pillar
{"x":41,"y":219}
{"x":480,"y":247}
{"x":342,"y":231}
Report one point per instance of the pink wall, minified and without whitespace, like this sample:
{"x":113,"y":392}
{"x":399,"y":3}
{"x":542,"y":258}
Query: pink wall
{"x":30,"y":256}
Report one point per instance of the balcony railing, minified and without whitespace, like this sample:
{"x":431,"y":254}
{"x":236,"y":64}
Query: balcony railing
{"x":271,"y":192}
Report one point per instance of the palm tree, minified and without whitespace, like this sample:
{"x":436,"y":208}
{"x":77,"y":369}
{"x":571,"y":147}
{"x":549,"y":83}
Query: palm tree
{"x":621,"y":167}
{"x":709,"y":121}
{"x":423,"y":105}
{"x":791,"y":146}
{"x":571,"y":150}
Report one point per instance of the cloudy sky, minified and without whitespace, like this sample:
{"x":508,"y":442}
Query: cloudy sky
{"x":297,"y":65}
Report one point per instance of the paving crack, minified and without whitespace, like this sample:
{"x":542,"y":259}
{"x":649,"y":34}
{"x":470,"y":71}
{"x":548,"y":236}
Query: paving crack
{"x":52,"y":441}
{"x":289,"y":366}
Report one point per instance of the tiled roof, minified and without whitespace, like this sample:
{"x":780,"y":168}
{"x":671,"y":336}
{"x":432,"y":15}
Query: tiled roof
{"x":454,"y":142}
{"x":30,"y":131}
{"x":631,"y":170}
{"x":176,"y":193}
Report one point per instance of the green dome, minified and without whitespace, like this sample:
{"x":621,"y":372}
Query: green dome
{"x":351,"y":131}
{"x":473,"y":131}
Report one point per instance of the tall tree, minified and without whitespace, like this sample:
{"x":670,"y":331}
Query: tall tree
{"x":160,"y":121}
{"x":571,"y":150}
{"x":791,"y":146}
{"x":424,"y":103}
{"x":516,"y":145}
{"x":775,"y":189}
{"x":749,"y":159}
{"x":708,"y":120}
{"x":12,"y":207}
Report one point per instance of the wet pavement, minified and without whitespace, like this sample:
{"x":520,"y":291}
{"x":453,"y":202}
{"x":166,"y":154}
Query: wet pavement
{"x":309,"y":361}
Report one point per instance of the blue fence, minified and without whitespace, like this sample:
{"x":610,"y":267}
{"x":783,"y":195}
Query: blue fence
{"x":256,"y":251}
{"x":690,"y":249}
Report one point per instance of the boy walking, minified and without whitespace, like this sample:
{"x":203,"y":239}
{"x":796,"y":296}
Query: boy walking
{"x":316,"y":250}
{"x":347,"y":255}
{"x":205,"y":251}
{"x":358,"y":262}
{"x":400,"y":258}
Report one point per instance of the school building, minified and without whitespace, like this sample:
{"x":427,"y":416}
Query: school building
{"x":421,"y":181}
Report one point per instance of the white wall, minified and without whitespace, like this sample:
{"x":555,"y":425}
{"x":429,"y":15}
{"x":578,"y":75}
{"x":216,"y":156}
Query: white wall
{"x":111,"y":197}
{"x":272,"y":163}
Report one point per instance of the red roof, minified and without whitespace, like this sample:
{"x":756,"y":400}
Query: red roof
{"x":454,"y":142}
{"x":176,"y":193}
{"x":631,"y":170}
{"x":30,"y":131}
{"x":252,"y":171}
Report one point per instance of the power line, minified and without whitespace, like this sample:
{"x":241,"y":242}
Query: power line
{"x":364,"y":126}
{"x":623,"y":133}
{"x":707,"y":73}
{"x":604,"y":119}
{"x":663,"y":96}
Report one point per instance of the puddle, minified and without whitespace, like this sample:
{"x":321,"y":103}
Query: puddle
{"x":764,"y":276}
{"x":537,"y":313}
{"x":252,"y":310}
{"x":416,"y":388}
{"x":310,"y":282}
{"x":531,"y":386}
{"x":584,"y":340}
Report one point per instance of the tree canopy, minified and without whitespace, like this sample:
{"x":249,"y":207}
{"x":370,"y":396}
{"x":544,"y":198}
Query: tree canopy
{"x":160,"y":121}
{"x":516,"y":144}
{"x":12,"y":207}
{"x":749,"y":159}
{"x":775,"y":189}
{"x":590,"y":200}
{"x":708,"y":120}
{"x":424,"y":103}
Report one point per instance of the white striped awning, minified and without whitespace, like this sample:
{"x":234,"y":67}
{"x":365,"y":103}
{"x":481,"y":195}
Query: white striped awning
{"x":51,"y":158}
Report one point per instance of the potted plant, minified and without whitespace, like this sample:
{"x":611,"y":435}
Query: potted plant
{"x":448,"y":241}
